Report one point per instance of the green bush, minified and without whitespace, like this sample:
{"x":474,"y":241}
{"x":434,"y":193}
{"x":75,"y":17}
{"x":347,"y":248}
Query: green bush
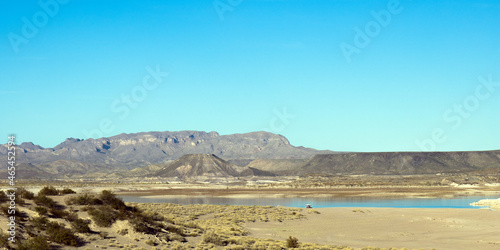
{"x":109,"y":198}
{"x":40,"y":222}
{"x":38,"y":243}
{"x":83,"y":199}
{"x":43,"y":200}
{"x":81,"y":226}
{"x":3,"y":196}
{"x":103,"y":216}
{"x":41,"y":210}
{"x":141,"y":226}
{"x":292,"y":242}
{"x":67,"y":191}
{"x":71,"y":217}
{"x":26,"y":194}
{"x":48,"y":190}
{"x":58,"y":233}
{"x":59,"y":213}
{"x":5,"y":209}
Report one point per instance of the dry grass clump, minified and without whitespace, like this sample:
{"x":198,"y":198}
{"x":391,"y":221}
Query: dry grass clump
{"x":292,"y":242}
{"x":224,"y":221}
{"x":37,"y":242}
{"x":223,"y":225}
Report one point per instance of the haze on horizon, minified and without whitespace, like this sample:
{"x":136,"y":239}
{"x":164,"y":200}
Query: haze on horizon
{"x":341,"y":75}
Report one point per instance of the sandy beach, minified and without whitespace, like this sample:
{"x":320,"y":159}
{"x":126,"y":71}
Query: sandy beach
{"x":390,"y":227}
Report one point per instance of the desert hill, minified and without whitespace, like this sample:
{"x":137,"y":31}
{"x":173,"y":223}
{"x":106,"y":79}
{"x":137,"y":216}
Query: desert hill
{"x":192,"y":165}
{"x":402,"y":162}
{"x":208,"y":165}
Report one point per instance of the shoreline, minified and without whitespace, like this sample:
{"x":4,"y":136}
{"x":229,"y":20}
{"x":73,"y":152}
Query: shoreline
{"x":398,"y":192}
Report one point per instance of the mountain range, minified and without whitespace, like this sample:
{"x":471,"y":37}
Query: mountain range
{"x":195,"y":153}
{"x":76,"y":157}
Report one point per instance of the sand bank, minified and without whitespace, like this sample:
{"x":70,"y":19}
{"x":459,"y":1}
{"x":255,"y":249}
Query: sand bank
{"x":391,"y":227}
{"x":493,"y":203}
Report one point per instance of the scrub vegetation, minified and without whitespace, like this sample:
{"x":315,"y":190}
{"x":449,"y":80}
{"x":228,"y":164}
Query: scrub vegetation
{"x":62,"y":219}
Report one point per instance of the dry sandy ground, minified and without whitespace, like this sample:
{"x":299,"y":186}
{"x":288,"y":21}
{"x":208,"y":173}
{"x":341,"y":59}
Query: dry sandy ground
{"x":391,"y":227}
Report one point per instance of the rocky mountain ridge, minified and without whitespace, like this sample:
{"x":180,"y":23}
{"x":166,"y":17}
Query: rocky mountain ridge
{"x":128,"y":151}
{"x":251,"y":154}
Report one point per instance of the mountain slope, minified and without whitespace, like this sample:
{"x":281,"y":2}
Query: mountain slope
{"x":279,"y":166}
{"x":401,"y":162}
{"x":194,"y":165}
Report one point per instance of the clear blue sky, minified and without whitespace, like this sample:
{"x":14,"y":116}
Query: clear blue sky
{"x":412,"y":84}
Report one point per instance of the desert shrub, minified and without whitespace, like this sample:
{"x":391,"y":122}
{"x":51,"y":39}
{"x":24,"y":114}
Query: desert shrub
{"x":211,"y":237}
{"x":6,"y":197}
{"x":191,"y":224}
{"x":59,"y":213}
{"x":83,"y":199}
{"x":41,"y":210}
{"x":141,"y":226}
{"x":3,"y":196}
{"x":26,"y":194}
{"x":67,"y":191}
{"x":5,"y":209}
{"x":38,"y":243}
{"x":292,"y":242}
{"x":48,"y":190}
{"x":58,"y":233}
{"x":43,"y":200}
{"x":71,"y":217}
{"x":81,"y":226}
{"x":174,"y":229}
{"x":109,"y":198}
{"x":103,"y":216}
{"x":40,"y":222}
{"x":176,"y":237}
{"x":4,"y":240}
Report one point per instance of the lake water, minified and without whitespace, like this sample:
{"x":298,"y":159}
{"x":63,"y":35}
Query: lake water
{"x":317,"y":202}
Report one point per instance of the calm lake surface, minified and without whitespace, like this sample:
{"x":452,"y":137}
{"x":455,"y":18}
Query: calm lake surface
{"x":316,"y":202}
